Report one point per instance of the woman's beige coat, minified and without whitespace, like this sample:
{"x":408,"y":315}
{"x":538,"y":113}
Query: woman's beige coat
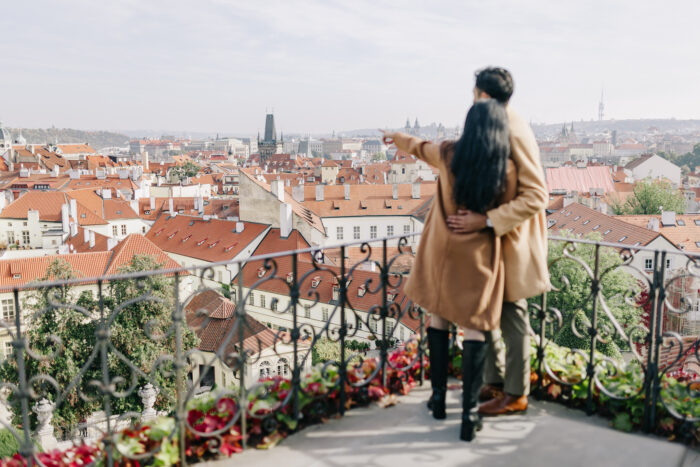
{"x":459,"y":277}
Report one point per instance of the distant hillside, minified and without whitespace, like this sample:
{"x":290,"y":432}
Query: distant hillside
{"x":96,"y":139}
{"x":640,"y":126}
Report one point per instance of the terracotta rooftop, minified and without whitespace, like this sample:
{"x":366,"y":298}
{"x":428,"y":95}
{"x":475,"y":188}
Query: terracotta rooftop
{"x":579,"y":179}
{"x":20,"y":271}
{"x":48,"y":203}
{"x":209,"y":240}
{"x":581,"y":221}
{"x":365,"y":200}
{"x":76,"y":149}
{"x":684,"y":232}
{"x":210,"y":316}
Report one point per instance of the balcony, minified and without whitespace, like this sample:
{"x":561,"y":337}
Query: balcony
{"x":171,"y":365}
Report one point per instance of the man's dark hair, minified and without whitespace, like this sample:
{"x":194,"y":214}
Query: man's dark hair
{"x":496,"y":82}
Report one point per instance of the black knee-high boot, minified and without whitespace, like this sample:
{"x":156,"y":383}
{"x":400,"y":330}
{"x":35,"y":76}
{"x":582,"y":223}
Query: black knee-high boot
{"x":438,"y":346}
{"x":473,"y":358}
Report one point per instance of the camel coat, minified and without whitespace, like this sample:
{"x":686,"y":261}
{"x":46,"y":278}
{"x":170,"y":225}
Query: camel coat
{"x":522,"y":222}
{"x":459,"y":277}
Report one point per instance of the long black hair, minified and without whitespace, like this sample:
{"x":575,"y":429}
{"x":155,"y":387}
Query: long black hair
{"x":480,"y":157}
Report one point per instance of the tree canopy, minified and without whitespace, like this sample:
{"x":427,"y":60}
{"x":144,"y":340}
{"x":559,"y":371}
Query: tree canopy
{"x":138,"y":316}
{"x":650,"y":197}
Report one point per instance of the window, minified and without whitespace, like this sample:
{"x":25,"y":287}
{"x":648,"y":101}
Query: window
{"x":143,"y":229}
{"x":622,"y":238}
{"x":406,"y":229}
{"x":339,"y":233}
{"x":324,"y":314}
{"x":114,"y":230}
{"x":697,"y":221}
{"x":273,"y":304}
{"x":24,"y":224}
{"x":356,"y":232}
{"x":648,"y":264}
{"x":282,"y":367}
{"x":251,"y":299}
{"x":681,"y":222}
{"x":123,"y":229}
{"x":668,"y":263}
{"x":596,"y":227}
{"x":389,"y":327}
{"x":8,"y":310}
{"x":577,"y":218}
{"x":7,"y":351}
{"x":264,"y":369}
{"x":401,"y":333}
{"x":25,"y":237}
{"x":607,"y":231}
{"x":372,"y":231}
{"x":262,"y":300}
{"x":307,"y":312}
{"x":697,"y":244}
{"x":373,"y":324}
{"x":389,"y":230}
{"x":586,"y":222}
{"x":10,"y":237}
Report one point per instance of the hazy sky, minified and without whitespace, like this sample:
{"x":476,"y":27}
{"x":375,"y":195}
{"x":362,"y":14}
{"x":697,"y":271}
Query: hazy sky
{"x":217,"y":65}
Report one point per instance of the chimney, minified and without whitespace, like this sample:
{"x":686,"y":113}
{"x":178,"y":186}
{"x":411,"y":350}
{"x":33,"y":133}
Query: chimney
{"x":54,"y":171}
{"x":86,"y":235}
{"x":319,"y":192}
{"x":415,"y":190}
{"x":200,"y":203}
{"x":395,"y":191}
{"x":239,"y":227}
{"x":346,"y":187}
{"x":153,"y":203}
{"x":74,"y":209}
{"x":170,"y":207}
{"x":64,"y":218}
{"x":144,"y":160}
{"x":277,"y":188}
{"x":92,"y":239}
{"x":111,"y":243}
{"x":298,"y":193}
{"x":653,"y":224}
{"x":73,"y":229}
{"x":107,"y":193}
{"x":285,"y":220}
{"x":668,"y":218}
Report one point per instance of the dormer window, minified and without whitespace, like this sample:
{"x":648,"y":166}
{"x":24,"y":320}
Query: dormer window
{"x":82,"y":215}
{"x":17,"y":276}
{"x":119,"y":212}
{"x":230,"y":247}
{"x":213,"y":244}
{"x":596,"y":227}
{"x":290,"y":277}
{"x":186,"y":238}
{"x":159,"y":232}
{"x":172,"y":234}
{"x":201,"y":242}
{"x":315,"y":281}
{"x":390,"y":297}
{"x":147,"y":211}
{"x":361,"y":291}
{"x":577,"y":218}
{"x":261,"y":271}
{"x":607,"y":231}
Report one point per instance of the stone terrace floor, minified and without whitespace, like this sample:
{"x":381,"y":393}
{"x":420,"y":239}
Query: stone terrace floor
{"x":406,"y":435}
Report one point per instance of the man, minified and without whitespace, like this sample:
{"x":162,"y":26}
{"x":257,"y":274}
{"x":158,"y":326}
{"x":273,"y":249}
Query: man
{"x":523,"y":226}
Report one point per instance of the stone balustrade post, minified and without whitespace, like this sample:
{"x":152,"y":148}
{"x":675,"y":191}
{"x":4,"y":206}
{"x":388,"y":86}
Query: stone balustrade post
{"x":148,"y":395}
{"x":44,"y":431}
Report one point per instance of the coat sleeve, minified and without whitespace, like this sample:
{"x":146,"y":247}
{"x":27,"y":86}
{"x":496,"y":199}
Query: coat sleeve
{"x":424,"y":150}
{"x":532,"y":195}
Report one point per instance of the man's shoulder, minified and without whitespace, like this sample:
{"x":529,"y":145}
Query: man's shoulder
{"x":515,"y":121}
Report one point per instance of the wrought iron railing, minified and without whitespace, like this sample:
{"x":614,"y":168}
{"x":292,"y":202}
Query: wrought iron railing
{"x":257,"y":353}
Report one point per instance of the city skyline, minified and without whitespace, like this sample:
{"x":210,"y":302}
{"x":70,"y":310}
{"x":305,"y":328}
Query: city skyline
{"x":332,"y":66}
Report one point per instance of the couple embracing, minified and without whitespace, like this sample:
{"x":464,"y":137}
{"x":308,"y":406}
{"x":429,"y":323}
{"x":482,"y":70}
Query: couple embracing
{"x":483,"y":251}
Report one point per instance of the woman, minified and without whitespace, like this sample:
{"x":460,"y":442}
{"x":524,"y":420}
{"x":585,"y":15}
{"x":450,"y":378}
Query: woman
{"x":460,"y":277}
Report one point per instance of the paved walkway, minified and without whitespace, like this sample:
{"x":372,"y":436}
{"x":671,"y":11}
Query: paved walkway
{"x":406,"y":435}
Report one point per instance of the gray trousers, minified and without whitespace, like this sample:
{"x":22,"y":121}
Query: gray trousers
{"x":508,"y":354}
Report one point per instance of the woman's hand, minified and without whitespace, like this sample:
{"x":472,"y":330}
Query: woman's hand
{"x":466,"y":222}
{"x":388,"y":136}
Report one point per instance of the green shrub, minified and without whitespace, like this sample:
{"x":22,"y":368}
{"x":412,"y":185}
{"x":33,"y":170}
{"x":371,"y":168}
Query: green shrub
{"x":8,"y":444}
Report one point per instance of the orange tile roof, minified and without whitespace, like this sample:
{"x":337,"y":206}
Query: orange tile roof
{"x":581,"y":220}
{"x":211,"y":240}
{"x":81,"y":246}
{"x":365,"y":200}
{"x":137,"y":244}
{"x":91,"y":181}
{"x":76,"y":148}
{"x":118,"y":209}
{"x":34,"y":269}
{"x":48,"y":203}
{"x":685,"y":233}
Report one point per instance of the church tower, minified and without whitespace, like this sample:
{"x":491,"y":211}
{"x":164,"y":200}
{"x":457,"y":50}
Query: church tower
{"x":269,"y":145}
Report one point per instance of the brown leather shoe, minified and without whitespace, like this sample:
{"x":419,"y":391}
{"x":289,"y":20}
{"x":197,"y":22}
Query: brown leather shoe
{"x":489,"y":392}
{"x":507,"y":405}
